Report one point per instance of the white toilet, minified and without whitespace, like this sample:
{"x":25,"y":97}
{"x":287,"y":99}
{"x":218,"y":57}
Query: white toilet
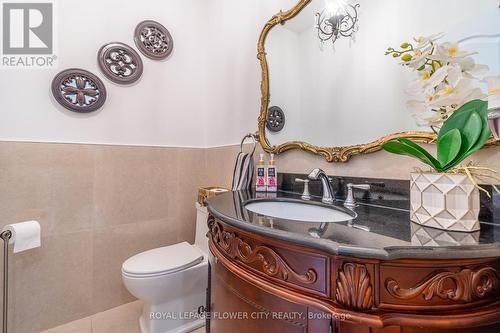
{"x":172,"y":282}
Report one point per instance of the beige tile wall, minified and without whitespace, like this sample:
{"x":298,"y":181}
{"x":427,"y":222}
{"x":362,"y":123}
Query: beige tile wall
{"x":380,"y":164}
{"x":99,"y":204}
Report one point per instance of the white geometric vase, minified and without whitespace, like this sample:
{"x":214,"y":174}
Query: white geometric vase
{"x":444,"y":201}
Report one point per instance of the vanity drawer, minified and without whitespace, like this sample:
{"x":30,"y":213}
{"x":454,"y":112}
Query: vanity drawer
{"x":273,"y":260}
{"x":415,"y":285}
{"x":257,"y":310}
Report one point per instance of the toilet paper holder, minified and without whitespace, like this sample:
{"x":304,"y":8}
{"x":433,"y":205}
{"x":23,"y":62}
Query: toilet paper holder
{"x":6,"y":236}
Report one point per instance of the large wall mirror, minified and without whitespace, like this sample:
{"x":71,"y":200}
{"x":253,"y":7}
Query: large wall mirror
{"x":347,"y":97}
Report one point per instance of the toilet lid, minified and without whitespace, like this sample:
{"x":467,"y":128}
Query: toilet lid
{"x":163,"y":260}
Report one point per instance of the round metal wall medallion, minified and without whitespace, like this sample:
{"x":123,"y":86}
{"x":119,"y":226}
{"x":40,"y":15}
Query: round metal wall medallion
{"x":275,"y":119}
{"x":78,"y":90}
{"x":120,"y":63}
{"x":153,"y":40}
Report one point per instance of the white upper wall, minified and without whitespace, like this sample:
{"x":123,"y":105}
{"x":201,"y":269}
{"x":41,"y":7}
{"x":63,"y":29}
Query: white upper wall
{"x":235,"y":74}
{"x":158,"y":110}
{"x":207,"y":93}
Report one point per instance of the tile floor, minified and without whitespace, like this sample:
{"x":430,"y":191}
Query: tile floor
{"x":122,"y":319}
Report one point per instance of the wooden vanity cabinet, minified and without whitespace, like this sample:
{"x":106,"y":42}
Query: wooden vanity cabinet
{"x":239,"y":306}
{"x":264,"y":285}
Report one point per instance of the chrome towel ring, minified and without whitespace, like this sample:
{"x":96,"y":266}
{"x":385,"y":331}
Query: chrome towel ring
{"x":254,"y":139}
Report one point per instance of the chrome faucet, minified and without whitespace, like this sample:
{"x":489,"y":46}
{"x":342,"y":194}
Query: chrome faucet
{"x":318,"y":174}
{"x":305,"y":195}
{"x":349,"y":201}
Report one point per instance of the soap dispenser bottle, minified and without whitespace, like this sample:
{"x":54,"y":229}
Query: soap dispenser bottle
{"x":260,"y":179}
{"x":272,"y":176}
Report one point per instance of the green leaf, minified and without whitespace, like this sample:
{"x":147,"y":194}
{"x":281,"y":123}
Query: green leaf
{"x":485,"y":135}
{"x":400,"y":148}
{"x":470,"y":134}
{"x":463,"y":133}
{"x":472,"y":131}
{"x":467,"y":124}
{"x":459,"y":118}
{"x":448,"y":146}
{"x":419,"y":148}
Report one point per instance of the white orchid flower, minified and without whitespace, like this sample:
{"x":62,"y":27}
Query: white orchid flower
{"x":472,"y":70}
{"x":417,"y":87}
{"x":431,"y":118}
{"x":447,"y":100}
{"x":456,"y":96}
{"x":424,"y":115}
{"x":420,"y":58}
{"x":417,"y":106}
{"x":424,"y":41}
{"x":445,"y":83}
{"x":454,"y":74}
{"x":427,"y":84}
{"x":450,"y":53}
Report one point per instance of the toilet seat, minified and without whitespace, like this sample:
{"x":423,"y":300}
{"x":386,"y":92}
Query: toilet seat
{"x":162,"y":261}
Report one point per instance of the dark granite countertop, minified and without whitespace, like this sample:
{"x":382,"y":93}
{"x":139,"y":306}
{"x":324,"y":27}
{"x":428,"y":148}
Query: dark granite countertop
{"x":379,"y":231}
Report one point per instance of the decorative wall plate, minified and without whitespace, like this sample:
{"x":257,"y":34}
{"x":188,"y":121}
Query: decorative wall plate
{"x":275,"y":119}
{"x":153,"y":40}
{"x":120,"y":63}
{"x":78,"y":90}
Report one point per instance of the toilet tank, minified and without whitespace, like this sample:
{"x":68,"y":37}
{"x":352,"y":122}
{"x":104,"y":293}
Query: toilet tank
{"x":201,"y":240}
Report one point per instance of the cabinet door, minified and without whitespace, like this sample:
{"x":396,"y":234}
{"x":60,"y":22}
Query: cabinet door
{"x":238,"y":306}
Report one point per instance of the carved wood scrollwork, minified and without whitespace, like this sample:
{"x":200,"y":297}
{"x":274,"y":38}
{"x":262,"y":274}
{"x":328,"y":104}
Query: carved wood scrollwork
{"x":354,"y":288}
{"x":272,"y":263}
{"x":467,"y":285}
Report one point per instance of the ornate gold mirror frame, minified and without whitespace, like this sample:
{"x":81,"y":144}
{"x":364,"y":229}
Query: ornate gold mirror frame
{"x":332,"y":154}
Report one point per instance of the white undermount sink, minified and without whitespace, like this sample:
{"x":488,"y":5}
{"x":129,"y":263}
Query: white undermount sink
{"x":299,"y":211}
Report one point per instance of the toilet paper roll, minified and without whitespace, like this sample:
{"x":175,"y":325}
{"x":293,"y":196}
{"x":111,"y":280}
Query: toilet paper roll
{"x":25,"y":235}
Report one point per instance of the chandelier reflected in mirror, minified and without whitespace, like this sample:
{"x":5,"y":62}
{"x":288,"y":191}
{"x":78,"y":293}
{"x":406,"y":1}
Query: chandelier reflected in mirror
{"x":338,"y":19}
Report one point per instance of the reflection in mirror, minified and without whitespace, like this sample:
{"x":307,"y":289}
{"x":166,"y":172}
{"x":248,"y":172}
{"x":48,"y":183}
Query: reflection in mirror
{"x":344,"y":90}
